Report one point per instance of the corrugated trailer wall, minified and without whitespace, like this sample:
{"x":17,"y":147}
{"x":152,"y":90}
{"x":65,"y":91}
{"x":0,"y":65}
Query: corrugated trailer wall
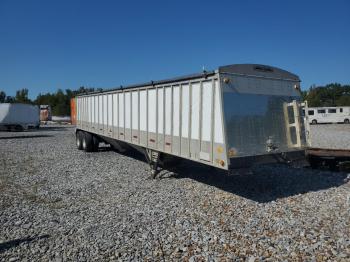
{"x":181,"y":118}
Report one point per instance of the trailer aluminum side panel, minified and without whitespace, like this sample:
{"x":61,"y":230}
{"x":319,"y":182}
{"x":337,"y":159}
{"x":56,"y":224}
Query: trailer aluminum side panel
{"x":183,"y":118}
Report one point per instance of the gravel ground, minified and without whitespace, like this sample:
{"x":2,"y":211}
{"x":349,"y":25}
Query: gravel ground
{"x":58,"y":203}
{"x":335,"y":136}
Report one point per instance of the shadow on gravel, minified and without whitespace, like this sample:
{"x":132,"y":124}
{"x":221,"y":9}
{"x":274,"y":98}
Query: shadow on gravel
{"x":13,"y":243}
{"x":40,"y":129}
{"x":52,"y":128}
{"x":132,"y":153}
{"x":20,"y":137}
{"x":264,"y":183}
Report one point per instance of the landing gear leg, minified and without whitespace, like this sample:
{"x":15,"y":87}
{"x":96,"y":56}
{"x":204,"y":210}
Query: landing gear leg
{"x":152,"y":157}
{"x":154,"y":170}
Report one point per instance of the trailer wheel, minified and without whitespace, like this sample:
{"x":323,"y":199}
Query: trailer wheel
{"x":346,"y":121}
{"x":95,"y":143}
{"x":314,"y":122}
{"x":78,"y":140}
{"x":83,"y":141}
{"x":88,"y":142}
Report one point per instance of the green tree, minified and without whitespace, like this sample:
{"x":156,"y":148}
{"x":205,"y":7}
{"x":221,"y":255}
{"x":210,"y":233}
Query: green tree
{"x":330,"y":95}
{"x":10,"y":99}
{"x":343,"y":101}
{"x":60,"y":100}
{"x":2,"y":97}
{"x":304,"y":95}
{"x":22,"y":96}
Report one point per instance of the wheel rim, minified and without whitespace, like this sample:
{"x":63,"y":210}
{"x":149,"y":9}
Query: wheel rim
{"x":84,"y":143}
{"x":78,"y":142}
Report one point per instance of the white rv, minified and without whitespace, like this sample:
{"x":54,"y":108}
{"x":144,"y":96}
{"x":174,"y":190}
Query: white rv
{"x":328,"y":115}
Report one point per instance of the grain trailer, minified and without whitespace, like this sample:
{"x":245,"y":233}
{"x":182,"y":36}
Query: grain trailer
{"x":233,"y":116}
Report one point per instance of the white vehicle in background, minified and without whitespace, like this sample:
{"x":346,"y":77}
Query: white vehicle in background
{"x":318,"y":115}
{"x":19,"y":117}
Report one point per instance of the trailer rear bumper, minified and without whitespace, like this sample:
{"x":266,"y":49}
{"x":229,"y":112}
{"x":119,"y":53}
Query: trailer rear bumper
{"x":283,"y":157}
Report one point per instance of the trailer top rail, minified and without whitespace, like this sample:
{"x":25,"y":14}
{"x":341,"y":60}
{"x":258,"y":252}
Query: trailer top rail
{"x":252,"y":70}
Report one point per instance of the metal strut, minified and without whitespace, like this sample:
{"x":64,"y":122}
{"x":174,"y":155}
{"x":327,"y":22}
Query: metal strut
{"x":152,"y":157}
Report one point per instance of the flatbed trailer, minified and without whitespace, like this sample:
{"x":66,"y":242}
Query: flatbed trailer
{"x":230,"y":117}
{"x":333,"y":158}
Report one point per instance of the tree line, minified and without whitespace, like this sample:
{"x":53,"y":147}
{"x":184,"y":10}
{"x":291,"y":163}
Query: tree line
{"x":59,"y":100}
{"x":328,"y":95}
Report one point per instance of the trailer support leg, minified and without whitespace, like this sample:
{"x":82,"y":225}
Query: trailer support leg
{"x":152,"y":157}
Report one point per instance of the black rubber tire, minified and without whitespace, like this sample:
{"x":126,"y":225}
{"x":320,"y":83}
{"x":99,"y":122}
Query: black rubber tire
{"x":88,"y":142}
{"x":79,"y":140}
{"x":346,"y":121}
{"x":314,"y":122}
{"x":95,"y":143}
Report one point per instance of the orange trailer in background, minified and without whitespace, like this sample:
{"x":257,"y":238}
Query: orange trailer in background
{"x":73,"y":111}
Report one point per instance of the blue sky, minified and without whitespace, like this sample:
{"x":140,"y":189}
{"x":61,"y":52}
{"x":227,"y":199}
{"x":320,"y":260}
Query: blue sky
{"x":46,"y":45}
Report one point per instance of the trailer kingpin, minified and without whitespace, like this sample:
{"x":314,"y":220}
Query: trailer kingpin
{"x":233,"y":116}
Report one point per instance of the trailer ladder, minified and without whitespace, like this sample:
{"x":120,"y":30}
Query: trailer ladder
{"x":295,"y":124}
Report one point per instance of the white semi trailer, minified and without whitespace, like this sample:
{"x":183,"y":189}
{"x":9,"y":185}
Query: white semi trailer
{"x":233,"y":116}
{"x":18,"y":116}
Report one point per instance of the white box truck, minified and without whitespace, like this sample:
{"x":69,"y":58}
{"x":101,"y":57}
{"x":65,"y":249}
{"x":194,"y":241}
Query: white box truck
{"x":233,"y":116}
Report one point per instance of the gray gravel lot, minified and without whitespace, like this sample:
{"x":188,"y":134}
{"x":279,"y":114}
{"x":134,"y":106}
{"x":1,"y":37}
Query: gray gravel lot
{"x":335,"y":136}
{"x":59,"y":203}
